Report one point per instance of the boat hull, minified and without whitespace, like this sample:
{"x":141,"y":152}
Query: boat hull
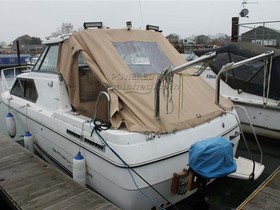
{"x":108,"y":175}
{"x":265,"y":119}
{"x":263,"y":114}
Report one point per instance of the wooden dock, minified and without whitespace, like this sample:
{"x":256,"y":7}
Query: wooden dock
{"x":28,"y":182}
{"x":266,"y":196}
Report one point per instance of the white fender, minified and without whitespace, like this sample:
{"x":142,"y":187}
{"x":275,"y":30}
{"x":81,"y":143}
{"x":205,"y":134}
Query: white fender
{"x":28,"y":141}
{"x":11,"y":125}
{"x":79,"y":169}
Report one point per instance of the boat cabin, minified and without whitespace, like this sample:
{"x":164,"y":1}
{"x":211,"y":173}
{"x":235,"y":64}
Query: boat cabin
{"x":112,"y":74}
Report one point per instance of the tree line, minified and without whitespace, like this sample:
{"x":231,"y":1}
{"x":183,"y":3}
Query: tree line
{"x":174,"y":39}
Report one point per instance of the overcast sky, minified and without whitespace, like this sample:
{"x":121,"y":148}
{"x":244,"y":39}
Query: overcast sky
{"x":183,"y":17}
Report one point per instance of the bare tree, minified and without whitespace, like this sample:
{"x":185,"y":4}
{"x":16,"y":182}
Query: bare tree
{"x":80,"y":28}
{"x":3,"y":44}
{"x":65,"y":28}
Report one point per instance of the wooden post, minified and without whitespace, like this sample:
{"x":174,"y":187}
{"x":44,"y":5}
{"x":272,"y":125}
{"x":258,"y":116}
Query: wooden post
{"x":234,"y":29}
{"x":18,"y":53}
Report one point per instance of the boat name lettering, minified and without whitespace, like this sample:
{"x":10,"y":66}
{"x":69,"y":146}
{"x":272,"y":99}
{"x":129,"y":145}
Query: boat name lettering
{"x":210,"y":76}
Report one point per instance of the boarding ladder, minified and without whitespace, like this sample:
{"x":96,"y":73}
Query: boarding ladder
{"x":247,"y":169}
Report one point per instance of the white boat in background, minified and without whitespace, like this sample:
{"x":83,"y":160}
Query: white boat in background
{"x":113,"y":97}
{"x":252,"y":84}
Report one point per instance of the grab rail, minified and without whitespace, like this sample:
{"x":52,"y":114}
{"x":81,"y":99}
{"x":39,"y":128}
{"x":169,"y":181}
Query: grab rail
{"x":233,"y":65}
{"x":192,"y":63}
{"x":108,"y":104}
{"x":254,"y":133}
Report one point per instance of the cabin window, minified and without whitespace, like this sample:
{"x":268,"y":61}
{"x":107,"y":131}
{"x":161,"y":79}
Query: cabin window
{"x":25,"y":88}
{"x":47,"y":62}
{"x":143,"y":57}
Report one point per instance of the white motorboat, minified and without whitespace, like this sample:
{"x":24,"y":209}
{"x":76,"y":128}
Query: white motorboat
{"x":114,"y":96}
{"x":252,"y":84}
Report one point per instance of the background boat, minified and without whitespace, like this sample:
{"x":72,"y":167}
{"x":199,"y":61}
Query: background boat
{"x":252,"y":85}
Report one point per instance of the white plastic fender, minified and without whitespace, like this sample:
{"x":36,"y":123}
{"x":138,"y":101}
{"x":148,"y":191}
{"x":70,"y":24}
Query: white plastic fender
{"x":79,"y":169}
{"x":11,"y":125}
{"x":28,"y":142}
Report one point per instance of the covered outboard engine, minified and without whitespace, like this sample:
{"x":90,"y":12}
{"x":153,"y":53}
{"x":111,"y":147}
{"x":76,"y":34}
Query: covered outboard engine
{"x":212,"y":158}
{"x":208,"y":159}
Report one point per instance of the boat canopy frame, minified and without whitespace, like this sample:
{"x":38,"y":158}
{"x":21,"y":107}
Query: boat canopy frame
{"x":253,"y":77}
{"x":233,"y":65}
{"x":169,"y":72}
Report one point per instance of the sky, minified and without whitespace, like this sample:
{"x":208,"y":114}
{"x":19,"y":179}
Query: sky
{"x":183,"y":17}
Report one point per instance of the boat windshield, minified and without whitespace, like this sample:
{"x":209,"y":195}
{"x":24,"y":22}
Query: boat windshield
{"x":143,"y":57}
{"x":47,"y":62}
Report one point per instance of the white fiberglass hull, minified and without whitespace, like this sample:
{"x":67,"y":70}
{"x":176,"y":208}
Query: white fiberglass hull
{"x":263,"y":117}
{"x":57,"y":137}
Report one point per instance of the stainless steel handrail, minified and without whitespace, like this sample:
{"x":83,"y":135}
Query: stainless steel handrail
{"x":108,"y":104}
{"x":233,"y":65}
{"x":254,"y":133}
{"x":192,"y":63}
{"x":171,"y":71}
{"x":13,"y":69}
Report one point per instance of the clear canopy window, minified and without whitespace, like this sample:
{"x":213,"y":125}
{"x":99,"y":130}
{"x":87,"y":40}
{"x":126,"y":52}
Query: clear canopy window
{"x":143,"y":57}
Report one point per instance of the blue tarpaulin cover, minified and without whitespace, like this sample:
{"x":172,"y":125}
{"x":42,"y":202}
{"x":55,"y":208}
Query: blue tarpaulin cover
{"x":212,"y":158}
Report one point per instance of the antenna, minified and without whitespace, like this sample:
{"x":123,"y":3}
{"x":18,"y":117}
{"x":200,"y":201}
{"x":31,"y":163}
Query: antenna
{"x":244,"y":12}
{"x":246,"y":2}
{"x":142,"y":22}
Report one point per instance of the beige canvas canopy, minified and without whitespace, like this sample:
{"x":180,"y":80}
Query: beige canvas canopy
{"x":113,"y":57}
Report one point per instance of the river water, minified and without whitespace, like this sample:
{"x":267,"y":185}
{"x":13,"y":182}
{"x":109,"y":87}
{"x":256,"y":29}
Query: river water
{"x":223,"y":193}
{"x":228,"y":193}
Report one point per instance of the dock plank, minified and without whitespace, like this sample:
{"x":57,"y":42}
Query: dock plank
{"x":266,"y":196}
{"x":80,"y":201}
{"x":28,"y":182}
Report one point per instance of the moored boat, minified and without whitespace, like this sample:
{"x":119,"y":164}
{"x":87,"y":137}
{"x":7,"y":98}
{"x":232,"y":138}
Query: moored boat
{"x":9,"y":60}
{"x":254,"y":85}
{"x":126,"y":101}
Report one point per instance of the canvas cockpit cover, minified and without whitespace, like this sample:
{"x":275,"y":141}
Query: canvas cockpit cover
{"x":128,"y":63}
{"x":212,"y":158}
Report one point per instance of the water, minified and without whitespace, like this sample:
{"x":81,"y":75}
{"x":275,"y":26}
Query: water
{"x":229,"y":193}
{"x":223,"y":193}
